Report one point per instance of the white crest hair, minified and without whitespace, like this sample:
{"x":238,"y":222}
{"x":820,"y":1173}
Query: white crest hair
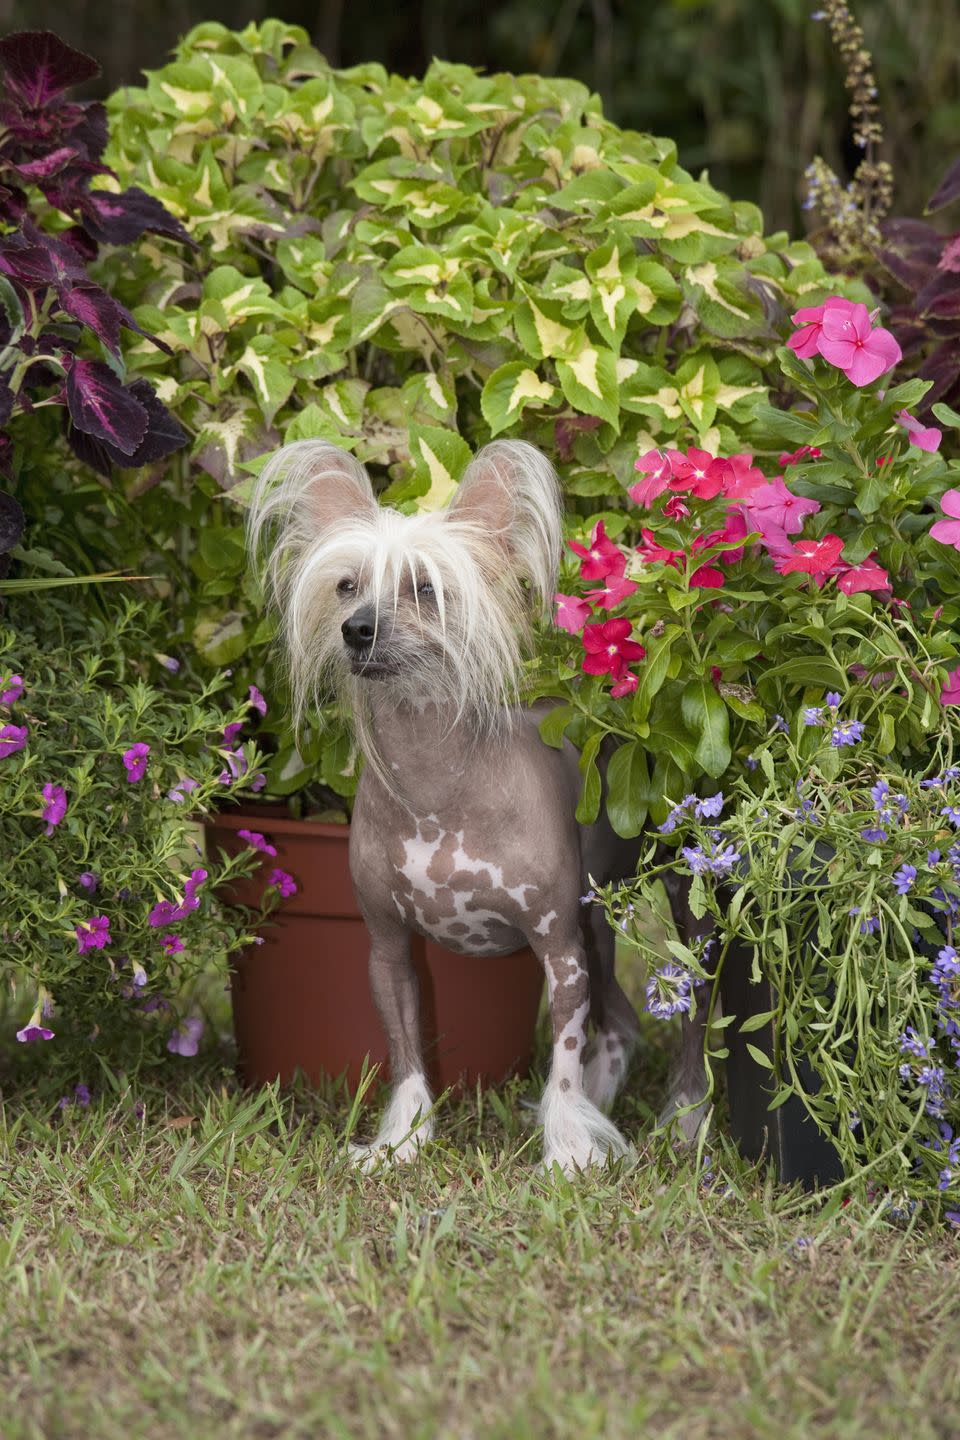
{"x":464,"y":652}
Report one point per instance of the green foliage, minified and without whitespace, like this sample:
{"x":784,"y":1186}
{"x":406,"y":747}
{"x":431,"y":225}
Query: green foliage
{"x":408,"y":268}
{"x":91,"y":691}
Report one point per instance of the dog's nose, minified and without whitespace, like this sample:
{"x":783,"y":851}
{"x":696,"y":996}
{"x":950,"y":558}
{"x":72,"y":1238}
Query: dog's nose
{"x":358,"y":631}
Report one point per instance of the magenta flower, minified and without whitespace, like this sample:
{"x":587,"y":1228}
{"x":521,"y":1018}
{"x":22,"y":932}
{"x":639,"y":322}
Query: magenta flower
{"x":601,"y":558}
{"x":615,"y":590}
{"x":849,"y":341}
{"x":182,"y":789}
{"x":256,"y":701}
{"x":780,"y":507}
{"x":925,"y":437}
{"x":55,"y":807}
{"x":185,"y":1040}
{"x":231,"y":731}
{"x":237,"y":766}
{"x":625,"y":686}
{"x":866,"y":576}
{"x":89,"y":881}
{"x":166,"y":912}
{"x":257,"y":842}
{"x":654,"y":466}
{"x":12,"y":739}
{"x":813,"y":557}
{"x":950,"y":694}
{"x":572,"y":613}
{"x":739,"y":477}
{"x":258,"y":781}
{"x":172,"y":944}
{"x":11,"y":688}
{"x":608,"y":648}
{"x":283,"y":882}
{"x":93,"y":934}
{"x":135,"y":761}
{"x":806,"y":341}
{"x":946,"y":531}
{"x":32,"y":1032}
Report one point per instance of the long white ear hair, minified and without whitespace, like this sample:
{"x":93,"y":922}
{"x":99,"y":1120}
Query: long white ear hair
{"x":510,"y":492}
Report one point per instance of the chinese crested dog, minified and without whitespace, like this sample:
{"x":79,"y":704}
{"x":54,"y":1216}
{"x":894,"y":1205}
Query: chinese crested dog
{"x":463,"y":828}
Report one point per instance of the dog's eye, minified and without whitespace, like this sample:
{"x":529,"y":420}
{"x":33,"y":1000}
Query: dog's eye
{"x":346,"y":587}
{"x":425,"y":590}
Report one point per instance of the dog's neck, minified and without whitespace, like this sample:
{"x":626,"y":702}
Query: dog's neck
{"x":429,"y":762}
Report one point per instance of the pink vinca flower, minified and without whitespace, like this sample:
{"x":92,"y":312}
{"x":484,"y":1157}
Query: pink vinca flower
{"x":805,"y":342}
{"x":625,"y":686}
{"x":135,"y":761}
{"x":780,"y":507}
{"x":55,"y":806}
{"x":793,"y":457}
{"x":950,"y":694}
{"x":739,"y":476}
{"x":572,"y":613}
{"x":12,"y":739}
{"x":813,"y":557}
{"x":608,"y":648}
{"x":866,"y":576}
{"x":925,"y":437}
{"x":652,"y":551}
{"x":696,"y":471}
{"x":11,"y":688}
{"x":946,"y":531}
{"x":654,"y":466}
{"x":849,"y":341}
{"x":601,"y":558}
{"x":615,"y":590}
{"x":676,"y":509}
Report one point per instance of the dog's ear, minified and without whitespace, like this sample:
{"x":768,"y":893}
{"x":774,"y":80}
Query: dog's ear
{"x":510,"y":491}
{"x":308,"y":486}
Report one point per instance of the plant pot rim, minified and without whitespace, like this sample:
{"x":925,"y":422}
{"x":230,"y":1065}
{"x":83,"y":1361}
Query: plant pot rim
{"x":283,"y":824}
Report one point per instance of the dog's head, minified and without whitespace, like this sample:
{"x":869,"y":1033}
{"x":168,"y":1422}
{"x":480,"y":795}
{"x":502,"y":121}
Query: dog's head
{"x":435,"y":605}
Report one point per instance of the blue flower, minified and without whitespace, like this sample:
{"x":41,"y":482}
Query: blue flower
{"x":832,"y":699}
{"x":933,"y":857}
{"x":724,"y":861}
{"x":780,"y":724}
{"x":879,"y":793}
{"x":847,"y":733}
{"x":669,"y":991}
{"x":699,"y":862}
{"x":812,"y":716}
{"x":710,"y":808}
{"x":913,"y":1044}
{"x":903,"y":879}
{"x":875,"y":837}
{"x":952,"y":814}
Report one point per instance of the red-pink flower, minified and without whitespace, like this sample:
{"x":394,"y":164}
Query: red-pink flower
{"x":866,"y":576}
{"x":625,"y":686}
{"x":608,"y":648}
{"x":655,"y":468}
{"x":696,"y":471}
{"x":602,"y":558}
{"x":572,"y":613}
{"x":793,"y":457}
{"x":948,"y":531}
{"x":806,"y":341}
{"x":614,"y":592}
{"x":739,"y":477}
{"x":950,"y":694}
{"x":675,"y":508}
{"x":925,"y":437}
{"x":780,"y":507}
{"x":651,"y":551}
{"x":708,"y":577}
{"x":849,"y":341}
{"x":731,"y":536}
{"x":812,"y":557}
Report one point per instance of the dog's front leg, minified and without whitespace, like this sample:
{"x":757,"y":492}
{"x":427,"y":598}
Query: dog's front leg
{"x":576,"y":1134}
{"x":406,"y":1122}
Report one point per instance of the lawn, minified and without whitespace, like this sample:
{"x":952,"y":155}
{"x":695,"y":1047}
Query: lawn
{"x":213,"y":1267}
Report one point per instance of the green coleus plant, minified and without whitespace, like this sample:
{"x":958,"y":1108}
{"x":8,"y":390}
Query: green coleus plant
{"x":408,"y":268}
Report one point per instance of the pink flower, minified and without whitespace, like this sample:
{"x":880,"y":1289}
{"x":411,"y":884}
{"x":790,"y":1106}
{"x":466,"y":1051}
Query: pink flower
{"x":806,"y":342}
{"x":651,"y":551}
{"x":625,"y":686}
{"x":656,"y":467}
{"x":135,"y":761}
{"x":185,"y":1040}
{"x":739,"y":476}
{"x":236,"y":766}
{"x":256,"y":701}
{"x":675,"y":508}
{"x":708,"y":577}
{"x":231,"y":731}
{"x":780,"y":507}
{"x":866,"y":576}
{"x":794,"y":457}
{"x":172,"y":944}
{"x":603,"y":558}
{"x":813,"y":557}
{"x":696,"y":471}
{"x":11,"y":688}
{"x":731,"y":536}
{"x":925,"y":437}
{"x":283,"y":882}
{"x":165,"y":912}
{"x":608,"y":648}
{"x":614,"y":592}
{"x":849,"y":341}
{"x":946,"y":531}
{"x":257,"y":842}
{"x":55,"y":807}
{"x":950,"y":256}
{"x":950,"y":694}
{"x":258,"y":781}
{"x":12,"y":739}
{"x":32,"y":1032}
{"x":572,"y":613}
{"x":93,"y":934}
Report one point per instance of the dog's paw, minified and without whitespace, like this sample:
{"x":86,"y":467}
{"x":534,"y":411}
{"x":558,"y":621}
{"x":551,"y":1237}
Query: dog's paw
{"x":576,"y":1135}
{"x":381,"y":1154}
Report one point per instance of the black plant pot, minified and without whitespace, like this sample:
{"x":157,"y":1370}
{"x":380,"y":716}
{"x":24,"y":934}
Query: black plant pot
{"x":788,"y":1136}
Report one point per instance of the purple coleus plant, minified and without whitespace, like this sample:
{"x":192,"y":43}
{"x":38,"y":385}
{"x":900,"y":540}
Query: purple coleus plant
{"x":59,"y":330}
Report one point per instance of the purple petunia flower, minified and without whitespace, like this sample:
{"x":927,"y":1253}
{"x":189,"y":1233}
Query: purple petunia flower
{"x":93,"y":934}
{"x":12,"y":739}
{"x":256,"y":841}
{"x":135,"y":761}
{"x":283,"y":882}
{"x":846,"y":733}
{"x":172,"y":944}
{"x":236,"y":766}
{"x":33,"y":1032}
{"x":231,"y":731}
{"x":165,"y":912}
{"x":256,"y":701}
{"x":182,"y":789}
{"x":11,"y":688}
{"x":903,"y":879}
{"x":55,"y":807}
{"x":258,"y":781}
{"x":185,"y":1040}
{"x":89,"y":881}
{"x":669,"y":991}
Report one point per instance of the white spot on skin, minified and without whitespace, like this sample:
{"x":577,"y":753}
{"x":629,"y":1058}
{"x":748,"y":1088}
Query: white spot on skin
{"x":542,"y":926}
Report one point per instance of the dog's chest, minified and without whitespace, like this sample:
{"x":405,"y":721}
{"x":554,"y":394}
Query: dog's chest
{"x":447,"y":887}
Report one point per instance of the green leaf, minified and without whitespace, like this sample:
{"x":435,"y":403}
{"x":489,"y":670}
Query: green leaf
{"x":509,"y":390}
{"x":946,"y":415}
{"x":589,"y":381}
{"x":706,"y":716}
{"x":761,"y":1059}
{"x":440,"y":458}
{"x":757,"y":1022}
{"x":554,"y":724}
{"x":887,"y":738}
{"x":589,"y":805}
{"x":627,"y":780}
{"x":653,"y":671}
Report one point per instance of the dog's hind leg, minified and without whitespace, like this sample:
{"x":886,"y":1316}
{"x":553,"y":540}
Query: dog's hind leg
{"x":406,"y":1122}
{"x":688,"y":1084}
{"x":575,"y":1133}
{"x":615,"y":1023}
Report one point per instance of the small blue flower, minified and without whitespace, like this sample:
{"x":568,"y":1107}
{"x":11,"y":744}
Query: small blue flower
{"x":879,"y":793}
{"x":812,"y":716}
{"x":911,"y":1043}
{"x":669,"y":991}
{"x":847,"y":733}
{"x":833,"y":699}
{"x":751,"y":763}
{"x":874,"y":836}
{"x":724,"y":861}
{"x":903,"y":879}
{"x":699,"y":862}
{"x":780,"y":724}
{"x":952,"y":815}
{"x":933,"y":857}
{"x":710,"y":808}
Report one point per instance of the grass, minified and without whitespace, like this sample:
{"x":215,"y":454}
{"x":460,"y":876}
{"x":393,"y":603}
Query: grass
{"x":216,"y":1269}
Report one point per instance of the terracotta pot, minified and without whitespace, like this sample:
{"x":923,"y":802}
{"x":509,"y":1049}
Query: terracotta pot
{"x":301,"y":1000}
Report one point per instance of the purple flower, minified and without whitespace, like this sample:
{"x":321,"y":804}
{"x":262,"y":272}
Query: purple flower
{"x":12,"y":739}
{"x":677,"y":813}
{"x":952,"y":1217}
{"x":847,"y":733}
{"x":874,"y":836}
{"x":869,"y":924}
{"x":182,"y":789}
{"x":93,"y":934}
{"x":952,"y":814}
{"x":258,"y":781}
{"x":172,"y":944}
{"x":911,"y":1043}
{"x":11,"y":688}
{"x":696,"y":858}
{"x":257,"y":842}
{"x":237,"y":766}
{"x":80,"y":1096}
{"x":879,"y":793}
{"x":283,"y":882}
{"x":169,"y":663}
{"x":669,"y":991}
{"x":55,"y":807}
{"x":165,"y":912}
{"x":781,"y":725}
{"x":751,"y":762}
{"x":813,"y":716}
{"x":256,"y":701}
{"x":32,"y":1032}
{"x":903,"y":879}
{"x":231,"y":731}
{"x":833,"y":699}
{"x":89,"y":881}
{"x":135,"y":761}
{"x":710,"y":808}
{"x":933,"y":857}
{"x":185,"y":1040}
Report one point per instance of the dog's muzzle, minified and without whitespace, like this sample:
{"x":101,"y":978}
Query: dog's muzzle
{"x":359,"y":632}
